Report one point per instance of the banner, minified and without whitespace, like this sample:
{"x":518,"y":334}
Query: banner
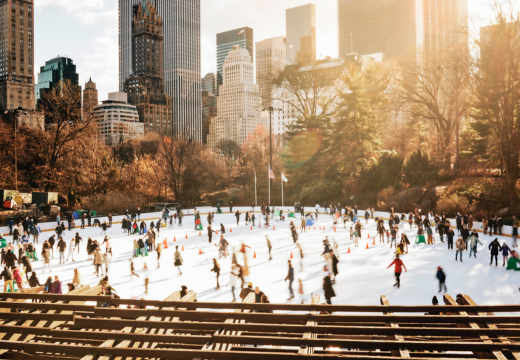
{"x":284,"y":179}
{"x":271,"y":174}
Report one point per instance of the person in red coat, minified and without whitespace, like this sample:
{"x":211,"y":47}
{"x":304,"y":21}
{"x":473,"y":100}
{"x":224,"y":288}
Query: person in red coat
{"x":399,"y":265}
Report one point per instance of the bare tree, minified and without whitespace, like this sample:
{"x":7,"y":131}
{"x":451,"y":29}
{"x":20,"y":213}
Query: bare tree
{"x":230,"y":152}
{"x":496,"y":89}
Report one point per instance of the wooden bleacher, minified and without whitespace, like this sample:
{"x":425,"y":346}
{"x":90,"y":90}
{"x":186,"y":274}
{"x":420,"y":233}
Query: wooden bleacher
{"x":71,"y":326}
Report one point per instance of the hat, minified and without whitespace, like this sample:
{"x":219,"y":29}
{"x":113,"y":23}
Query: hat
{"x":250,"y":284}
{"x":438,"y":268}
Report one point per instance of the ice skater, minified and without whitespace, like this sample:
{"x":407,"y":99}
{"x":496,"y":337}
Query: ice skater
{"x":178,"y":259}
{"x":441,"y":276}
{"x":216,"y":270}
{"x":290,"y":277}
{"x":399,"y":265}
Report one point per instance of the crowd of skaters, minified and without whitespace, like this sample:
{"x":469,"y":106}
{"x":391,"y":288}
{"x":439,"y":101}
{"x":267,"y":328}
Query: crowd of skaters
{"x":428,"y":224}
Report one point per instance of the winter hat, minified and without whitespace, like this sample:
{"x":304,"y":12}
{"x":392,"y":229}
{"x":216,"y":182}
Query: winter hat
{"x":435,"y":301}
{"x":250,"y":285}
{"x":438,"y":268}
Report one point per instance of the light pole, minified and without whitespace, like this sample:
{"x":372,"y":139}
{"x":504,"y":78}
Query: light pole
{"x":16,"y":114}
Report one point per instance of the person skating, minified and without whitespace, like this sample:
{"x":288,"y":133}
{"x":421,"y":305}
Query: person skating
{"x":222,"y":229}
{"x":451,"y":234}
{"x":132,"y":269}
{"x":7,"y":275}
{"x":178,"y":259}
{"x":269,"y":247}
{"x":98,"y":260}
{"x":210,"y":233}
{"x":328,"y":289}
{"x":77,"y":240}
{"x":233,"y":276}
{"x":51,"y":242}
{"x":290,"y":277}
{"x":505,"y":253}
{"x":459,"y":248}
{"x":62,"y":245}
{"x":399,"y":265}
{"x":223,"y":245}
{"x":473,"y":242}
{"x":107,"y":259}
{"x":300,"y":290}
{"x":441,"y":276}
{"x":146,"y":275}
{"x":495,"y":248}
{"x":216,"y":270}
{"x":158,"y":250}
{"x":515,"y":230}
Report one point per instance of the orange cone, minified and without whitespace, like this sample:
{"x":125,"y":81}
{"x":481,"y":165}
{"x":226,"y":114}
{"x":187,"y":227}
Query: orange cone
{"x":174,"y":238}
{"x":367,"y":245}
{"x":182,"y":248}
{"x":200,"y":234}
{"x":314,"y":228}
{"x":166,"y":245}
{"x":251,"y":228}
{"x":254,"y":255}
{"x":230,"y":230}
{"x":348,"y":252}
{"x":216,"y":232}
{"x":273,"y":227}
{"x":334,"y":229}
{"x":320,"y":227}
{"x":186,"y":236}
{"x":324,"y":228}
{"x":291,"y":256}
{"x":200,"y":251}
{"x":368,"y":236}
{"x":374,"y":242}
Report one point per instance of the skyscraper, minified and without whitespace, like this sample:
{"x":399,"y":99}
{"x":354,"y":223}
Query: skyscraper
{"x":270,"y":60}
{"x":55,"y":70}
{"x":238,"y":102}
{"x":90,"y":99}
{"x":208,"y":83}
{"x":145,"y":87}
{"x":209,"y":111}
{"x":17,"y":54}
{"x":391,"y":27}
{"x":181,"y":30}
{"x":443,"y":23}
{"x":242,"y":37}
{"x":300,"y":25}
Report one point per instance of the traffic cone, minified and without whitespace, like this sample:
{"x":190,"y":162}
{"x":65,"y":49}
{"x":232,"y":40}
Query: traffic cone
{"x":314,"y":228}
{"x":320,"y":227}
{"x":174,"y":239}
{"x":254,"y":255}
{"x":273,"y":227}
{"x":230,"y":230}
{"x":251,"y":228}
{"x":324,"y":228}
{"x":367,"y":245}
{"x":200,"y":251}
{"x":373,"y":243}
{"x":368,"y":236}
{"x":348,"y":252}
{"x":291,"y":256}
{"x":216,"y":232}
{"x":200,"y":234}
{"x":186,"y":236}
{"x":182,"y":248}
{"x":166,"y":245}
{"x":334,"y":229}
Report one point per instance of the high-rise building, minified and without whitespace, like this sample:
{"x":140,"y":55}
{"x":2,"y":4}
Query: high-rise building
{"x":181,"y":31}
{"x":444,"y":21}
{"x":238,"y":101}
{"x":208,"y":83}
{"x":53,"y":72}
{"x":270,"y":60}
{"x":209,"y":111}
{"x":243,"y":37}
{"x":145,"y":86}
{"x":300,"y":23}
{"x":391,"y":27}
{"x":116,"y":120}
{"x":16,"y":54}
{"x":90,"y":99}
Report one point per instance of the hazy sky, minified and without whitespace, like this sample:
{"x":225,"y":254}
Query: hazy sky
{"x":86,"y":31}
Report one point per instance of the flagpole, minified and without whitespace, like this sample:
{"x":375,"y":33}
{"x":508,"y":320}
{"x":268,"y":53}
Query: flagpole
{"x":256,"y":200}
{"x":281,"y":179}
{"x":269,"y":180}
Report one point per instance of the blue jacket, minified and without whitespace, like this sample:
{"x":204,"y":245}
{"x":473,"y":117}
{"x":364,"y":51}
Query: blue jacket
{"x":441,"y":275}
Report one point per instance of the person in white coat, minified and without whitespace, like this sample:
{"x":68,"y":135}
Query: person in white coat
{"x":233,"y":277}
{"x":72,"y":246}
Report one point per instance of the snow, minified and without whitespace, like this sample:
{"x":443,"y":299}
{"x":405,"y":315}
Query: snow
{"x":363,"y":274}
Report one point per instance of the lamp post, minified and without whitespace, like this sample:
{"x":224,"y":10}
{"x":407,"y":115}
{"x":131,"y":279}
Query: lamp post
{"x":16,"y":114}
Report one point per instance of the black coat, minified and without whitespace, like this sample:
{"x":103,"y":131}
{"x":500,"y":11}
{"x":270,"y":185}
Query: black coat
{"x":327,"y":288}
{"x":10,"y":259}
{"x":494,"y":247}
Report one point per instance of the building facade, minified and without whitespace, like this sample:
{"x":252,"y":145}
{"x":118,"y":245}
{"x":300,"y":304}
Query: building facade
{"x":300,"y":25}
{"x":90,"y":99}
{"x":209,"y":112}
{"x":391,"y":27}
{"x":443,"y":20}
{"x":53,"y":72}
{"x":116,"y":120}
{"x":17,"y":54}
{"x":270,"y":60}
{"x":239,"y":102}
{"x":243,"y":37}
{"x":181,"y":31}
{"x":209,"y":83}
{"x":145,"y":87}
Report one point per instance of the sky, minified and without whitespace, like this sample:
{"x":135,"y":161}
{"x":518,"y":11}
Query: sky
{"x":87,"y":31}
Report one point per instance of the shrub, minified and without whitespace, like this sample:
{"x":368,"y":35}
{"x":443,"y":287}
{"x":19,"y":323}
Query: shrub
{"x":113,"y":203}
{"x":419,"y":168}
{"x":386,"y":194}
{"x":453,"y":204}
{"x":386,"y":172}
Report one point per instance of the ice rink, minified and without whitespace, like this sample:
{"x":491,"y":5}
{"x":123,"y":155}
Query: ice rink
{"x":363,"y":274}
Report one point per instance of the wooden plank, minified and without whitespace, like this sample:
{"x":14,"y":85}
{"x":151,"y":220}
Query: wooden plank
{"x":309,"y":334}
{"x":75,"y":295}
{"x":468,"y":300}
{"x":448,"y":300}
{"x":398,"y":336}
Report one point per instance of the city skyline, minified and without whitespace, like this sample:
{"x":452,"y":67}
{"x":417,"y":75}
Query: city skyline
{"x":91,"y":38}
